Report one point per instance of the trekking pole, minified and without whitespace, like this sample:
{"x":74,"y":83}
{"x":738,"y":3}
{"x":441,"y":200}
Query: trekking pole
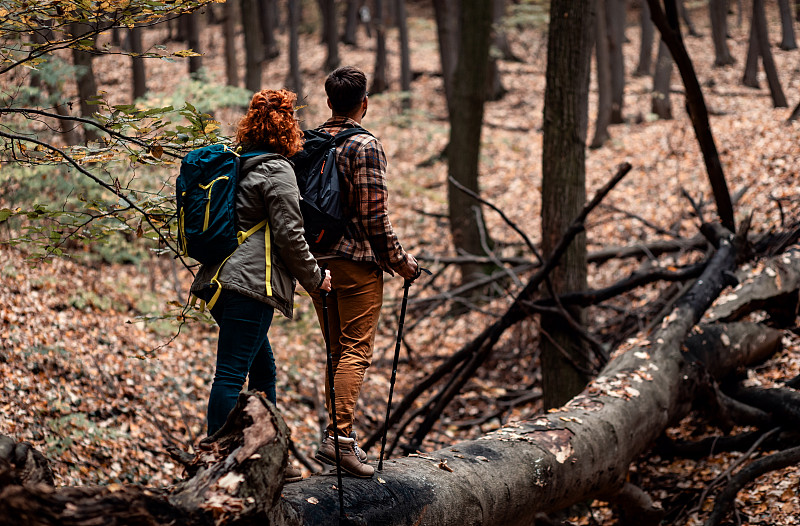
{"x":406,"y":286}
{"x":332,"y":390}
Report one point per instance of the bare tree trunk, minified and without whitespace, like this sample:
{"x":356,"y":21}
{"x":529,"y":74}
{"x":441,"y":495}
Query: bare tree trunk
{"x":466,"y":122}
{"x":379,"y":79}
{"x":666,"y":20}
{"x":294,"y":79}
{"x":494,"y":84}
{"x":662,"y":103}
{"x":253,"y":45}
{"x":581,"y":452}
{"x":739,"y":13}
{"x":646,"y":43}
{"x":615,"y":27}
{"x":603,"y":69}
{"x":687,"y":20}
{"x":500,"y":41}
{"x":351,"y":23}
{"x":447,"y":30}
{"x":267,"y":11}
{"x":760,"y":20}
{"x":85,"y":79}
{"x":795,"y":114}
{"x":750,"y":77}
{"x":719,"y":32}
{"x":331,"y":35}
{"x":139,"y":75}
{"x":569,"y":47}
{"x":192,"y":21}
{"x":405,"y":53}
{"x":229,"y":34}
{"x":68,"y":131}
{"x":788,"y":41}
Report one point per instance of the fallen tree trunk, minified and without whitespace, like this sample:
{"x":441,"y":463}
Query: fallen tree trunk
{"x":583,"y":450}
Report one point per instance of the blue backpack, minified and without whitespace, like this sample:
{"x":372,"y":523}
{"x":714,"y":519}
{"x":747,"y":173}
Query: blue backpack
{"x":321,"y":186}
{"x":206,"y":196}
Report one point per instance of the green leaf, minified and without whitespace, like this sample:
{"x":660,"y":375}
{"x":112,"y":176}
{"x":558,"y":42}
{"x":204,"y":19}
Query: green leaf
{"x":5,"y":213}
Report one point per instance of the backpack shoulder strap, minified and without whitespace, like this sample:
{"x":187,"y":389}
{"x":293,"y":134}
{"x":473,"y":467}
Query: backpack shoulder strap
{"x":346,"y":133}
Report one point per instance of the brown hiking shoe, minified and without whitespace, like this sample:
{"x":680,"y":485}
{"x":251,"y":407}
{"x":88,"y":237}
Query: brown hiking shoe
{"x":292,"y":474}
{"x":351,"y":464}
{"x":360,"y":453}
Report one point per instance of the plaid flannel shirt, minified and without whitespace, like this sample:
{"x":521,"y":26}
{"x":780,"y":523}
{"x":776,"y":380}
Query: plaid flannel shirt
{"x":369,"y":236}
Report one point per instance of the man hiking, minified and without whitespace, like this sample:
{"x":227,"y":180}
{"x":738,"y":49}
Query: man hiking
{"x":368,"y":248}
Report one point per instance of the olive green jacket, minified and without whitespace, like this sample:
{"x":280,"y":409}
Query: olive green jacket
{"x":267,"y":263}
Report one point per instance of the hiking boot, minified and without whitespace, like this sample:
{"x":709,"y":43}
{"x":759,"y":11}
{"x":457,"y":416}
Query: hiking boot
{"x":360,"y":453}
{"x":350,"y":463}
{"x":292,"y":474}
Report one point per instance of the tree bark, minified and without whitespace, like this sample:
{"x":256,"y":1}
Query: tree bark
{"x":85,"y":79}
{"x":267,"y":11}
{"x":405,"y":53}
{"x":447,"y":31}
{"x":662,"y":102}
{"x":667,"y":24}
{"x":229,"y":34}
{"x":788,"y":41}
{"x":760,"y":21}
{"x":795,"y":114}
{"x":603,"y":68}
{"x":380,"y":82}
{"x":466,"y":122}
{"x":192,"y":27}
{"x":69,"y":132}
{"x":570,"y":38}
{"x":139,"y":76}
{"x":494,"y":82}
{"x":687,"y":19}
{"x":750,"y":76}
{"x":294,"y":78}
{"x":645,"y":65}
{"x":351,"y":23}
{"x":615,"y":27}
{"x":332,"y":36}
{"x":719,"y":32}
{"x":500,"y":41}
{"x":253,"y":45}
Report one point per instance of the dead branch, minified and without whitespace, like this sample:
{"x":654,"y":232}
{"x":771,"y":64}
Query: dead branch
{"x":725,"y":501}
{"x":515,"y":313}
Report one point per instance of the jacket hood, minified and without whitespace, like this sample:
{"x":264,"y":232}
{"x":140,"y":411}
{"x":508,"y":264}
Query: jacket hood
{"x":251,"y":162}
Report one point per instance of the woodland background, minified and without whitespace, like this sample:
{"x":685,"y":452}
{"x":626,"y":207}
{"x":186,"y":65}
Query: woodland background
{"x":99,"y":373}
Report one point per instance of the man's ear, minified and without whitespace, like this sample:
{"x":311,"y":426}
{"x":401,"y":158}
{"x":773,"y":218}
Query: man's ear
{"x":329,"y":104}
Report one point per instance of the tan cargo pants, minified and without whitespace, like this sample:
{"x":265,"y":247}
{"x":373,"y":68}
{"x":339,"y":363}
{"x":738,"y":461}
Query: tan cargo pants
{"x":354,"y":306}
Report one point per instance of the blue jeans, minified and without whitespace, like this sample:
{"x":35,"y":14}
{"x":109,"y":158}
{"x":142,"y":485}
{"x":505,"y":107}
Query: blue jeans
{"x":242,"y":348}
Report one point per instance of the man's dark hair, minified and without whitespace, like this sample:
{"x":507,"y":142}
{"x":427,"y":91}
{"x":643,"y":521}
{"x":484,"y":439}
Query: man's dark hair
{"x":346,"y":88}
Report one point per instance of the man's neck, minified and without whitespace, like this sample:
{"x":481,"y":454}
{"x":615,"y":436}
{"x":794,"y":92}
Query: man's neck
{"x":355,"y":116}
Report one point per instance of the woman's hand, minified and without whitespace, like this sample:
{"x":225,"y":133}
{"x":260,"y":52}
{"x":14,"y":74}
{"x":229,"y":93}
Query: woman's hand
{"x":326,"y":283}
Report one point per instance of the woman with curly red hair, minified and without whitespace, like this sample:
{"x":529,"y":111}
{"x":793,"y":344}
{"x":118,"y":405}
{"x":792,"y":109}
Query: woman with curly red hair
{"x":261,"y":274}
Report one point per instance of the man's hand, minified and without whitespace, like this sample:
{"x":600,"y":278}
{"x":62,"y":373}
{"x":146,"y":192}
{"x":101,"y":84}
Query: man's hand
{"x":410,"y":271}
{"x":326,"y":283}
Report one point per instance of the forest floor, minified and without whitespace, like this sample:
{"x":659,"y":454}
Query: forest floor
{"x":101,"y":388}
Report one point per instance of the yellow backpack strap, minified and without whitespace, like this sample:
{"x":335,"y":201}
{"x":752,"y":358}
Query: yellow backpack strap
{"x":193,"y":303}
{"x":242,"y":235}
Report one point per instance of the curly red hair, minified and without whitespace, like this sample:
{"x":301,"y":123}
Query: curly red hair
{"x":270,"y":124}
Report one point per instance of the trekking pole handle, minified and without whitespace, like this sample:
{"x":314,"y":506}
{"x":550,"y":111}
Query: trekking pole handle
{"x":420,"y":270}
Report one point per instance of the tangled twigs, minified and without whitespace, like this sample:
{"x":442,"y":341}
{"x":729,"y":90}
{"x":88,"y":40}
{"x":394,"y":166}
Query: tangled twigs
{"x":725,"y":501}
